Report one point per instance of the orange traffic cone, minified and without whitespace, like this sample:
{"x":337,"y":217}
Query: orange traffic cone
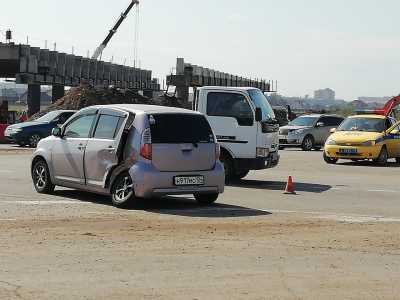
{"x":290,"y":187}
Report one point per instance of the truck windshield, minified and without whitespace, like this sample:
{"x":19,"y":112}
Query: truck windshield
{"x":261,"y":101}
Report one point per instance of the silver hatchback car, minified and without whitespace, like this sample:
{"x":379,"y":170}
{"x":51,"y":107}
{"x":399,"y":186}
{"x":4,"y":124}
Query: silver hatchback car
{"x":130,"y":152}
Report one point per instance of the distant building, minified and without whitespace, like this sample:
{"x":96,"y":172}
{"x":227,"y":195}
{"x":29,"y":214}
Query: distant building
{"x":326,"y":95}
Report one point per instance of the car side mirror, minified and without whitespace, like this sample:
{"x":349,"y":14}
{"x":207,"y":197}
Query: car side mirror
{"x":258,"y":114}
{"x":56,"y":132}
{"x":333,"y":130}
{"x":320,"y":124}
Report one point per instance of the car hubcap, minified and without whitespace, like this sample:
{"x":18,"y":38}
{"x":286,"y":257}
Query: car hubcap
{"x":124,"y":189}
{"x":308,"y":143}
{"x":34,"y":140}
{"x":40,"y":177}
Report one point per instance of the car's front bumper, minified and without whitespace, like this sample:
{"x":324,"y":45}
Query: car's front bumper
{"x":149,"y":182}
{"x":353,"y":152}
{"x":291,"y":140}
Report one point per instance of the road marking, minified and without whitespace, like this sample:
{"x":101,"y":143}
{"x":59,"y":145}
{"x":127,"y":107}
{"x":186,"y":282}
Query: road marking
{"x":8,"y":220}
{"x":382,"y":191}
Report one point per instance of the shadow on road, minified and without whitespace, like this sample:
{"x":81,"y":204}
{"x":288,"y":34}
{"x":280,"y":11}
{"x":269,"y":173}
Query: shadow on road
{"x":368,"y":163}
{"x":280,"y":186}
{"x":177,"y":206}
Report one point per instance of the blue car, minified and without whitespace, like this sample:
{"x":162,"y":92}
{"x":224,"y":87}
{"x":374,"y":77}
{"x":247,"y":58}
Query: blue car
{"x":30,"y":133}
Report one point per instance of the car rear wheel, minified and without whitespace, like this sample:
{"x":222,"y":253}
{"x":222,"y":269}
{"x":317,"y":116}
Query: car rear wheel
{"x":34,"y":140}
{"x":41,"y":178}
{"x":383,"y":157}
{"x":122,"y":192}
{"x":228,"y":166}
{"x":330,"y":160}
{"x":308,"y":143}
{"x":206,"y":199}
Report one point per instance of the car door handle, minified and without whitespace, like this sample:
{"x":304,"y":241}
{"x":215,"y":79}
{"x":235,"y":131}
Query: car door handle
{"x":81,"y":147}
{"x":111,"y":149}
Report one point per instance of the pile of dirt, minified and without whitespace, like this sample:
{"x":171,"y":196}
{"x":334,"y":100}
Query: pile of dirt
{"x":84,"y":96}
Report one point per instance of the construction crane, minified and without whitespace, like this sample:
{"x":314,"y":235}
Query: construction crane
{"x":97,"y":54}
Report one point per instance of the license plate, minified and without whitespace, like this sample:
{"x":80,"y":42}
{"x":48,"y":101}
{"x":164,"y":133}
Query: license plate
{"x":348,"y":151}
{"x":188,"y":180}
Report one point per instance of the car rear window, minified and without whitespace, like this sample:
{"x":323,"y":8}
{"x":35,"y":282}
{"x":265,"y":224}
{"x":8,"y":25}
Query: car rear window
{"x":180,"y":128}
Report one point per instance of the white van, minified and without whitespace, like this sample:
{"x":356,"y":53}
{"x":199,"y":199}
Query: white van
{"x":245,"y":126}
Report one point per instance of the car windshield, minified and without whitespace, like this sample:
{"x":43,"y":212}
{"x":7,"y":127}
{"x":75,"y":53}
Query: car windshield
{"x":363,"y":124}
{"x":261,"y":101}
{"x":47,"y":118}
{"x":304,"y":121}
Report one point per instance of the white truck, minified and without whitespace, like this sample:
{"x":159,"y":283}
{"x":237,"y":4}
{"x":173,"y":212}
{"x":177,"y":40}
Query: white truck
{"x":245,"y":126}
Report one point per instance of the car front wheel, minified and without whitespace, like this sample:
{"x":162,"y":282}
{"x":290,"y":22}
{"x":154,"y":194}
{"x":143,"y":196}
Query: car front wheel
{"x":308,"y":143}
{"x":330,"y":160}
{"x":122,"y":192}
{"x":41,"y":178}
{"x":383,"y":157}
{"x":34,"y":140}
{"x":206,"y":199}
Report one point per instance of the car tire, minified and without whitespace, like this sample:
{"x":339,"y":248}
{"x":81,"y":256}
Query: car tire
{"x":34,"y":139}
{"x":122,"y":192}
{"x":308,"y":143}
{"x":21,"y":144}
{"x":241,"y":174}
{"x":330,"y":160}
{"x":229,"y":167}
{"x":41,"y":177}
{"x":206,"y":199}
{"x":383,"y":157}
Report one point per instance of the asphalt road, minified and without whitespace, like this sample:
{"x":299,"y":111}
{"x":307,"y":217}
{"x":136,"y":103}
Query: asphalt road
{"x":337,"y":238}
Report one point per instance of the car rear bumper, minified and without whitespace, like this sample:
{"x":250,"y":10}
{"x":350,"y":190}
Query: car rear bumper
{"x":361,"y":152}
{"x":149,"y":182}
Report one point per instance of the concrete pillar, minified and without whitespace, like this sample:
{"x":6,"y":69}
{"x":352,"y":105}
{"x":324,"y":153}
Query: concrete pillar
{"x":58,"y":92}
{"x":33,"y":99}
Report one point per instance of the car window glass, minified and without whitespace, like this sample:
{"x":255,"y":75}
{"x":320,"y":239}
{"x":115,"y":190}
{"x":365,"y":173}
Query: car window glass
{"x":64,"y":117}
{"x":331,"y":121}
{"x":107,"y":127}
{"x":230,"y":105}
{"x":389,"y":124}
{"x":80,"y":128}
{"x":180,"y":128}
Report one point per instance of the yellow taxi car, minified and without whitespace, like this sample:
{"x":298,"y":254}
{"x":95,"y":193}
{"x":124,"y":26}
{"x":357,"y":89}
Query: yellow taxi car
{"x":364,"y":137}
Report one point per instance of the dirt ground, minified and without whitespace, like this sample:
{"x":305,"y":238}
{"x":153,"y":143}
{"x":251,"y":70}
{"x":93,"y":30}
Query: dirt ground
{"x":145,"y":256}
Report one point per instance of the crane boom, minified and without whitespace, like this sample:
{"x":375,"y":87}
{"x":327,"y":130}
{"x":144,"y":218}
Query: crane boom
{"x":97,"y":53}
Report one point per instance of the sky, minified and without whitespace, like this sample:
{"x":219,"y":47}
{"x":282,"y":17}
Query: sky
{"x":351,"y":46}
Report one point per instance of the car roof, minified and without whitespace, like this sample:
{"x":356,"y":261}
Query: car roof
{"x":144,"y":108}
{"x":371,"y":116}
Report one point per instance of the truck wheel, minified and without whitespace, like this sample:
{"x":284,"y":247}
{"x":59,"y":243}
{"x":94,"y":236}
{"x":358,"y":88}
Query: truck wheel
{"x":122,"y":193}
{"x":206,"y":199}
{"x":308,"y":143}
{"x":41,"y":177}
{"x":383,"y":157}
{"x":228,"y":166}
{"x":330,"y":160}
{"x":241,"y":174}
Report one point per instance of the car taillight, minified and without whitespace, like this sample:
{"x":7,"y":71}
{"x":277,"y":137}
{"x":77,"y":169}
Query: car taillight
{"x":217,"y":151}
{"x":146,"y":151}
{"x":146,"y":148}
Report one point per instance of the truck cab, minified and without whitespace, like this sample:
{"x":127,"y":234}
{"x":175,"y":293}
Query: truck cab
{"x":245,"y":126}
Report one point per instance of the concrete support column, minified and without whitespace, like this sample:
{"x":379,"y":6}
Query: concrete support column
{"x":183,"y":93}
{"x":57,"y":93}
{"x":33,"y":99}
